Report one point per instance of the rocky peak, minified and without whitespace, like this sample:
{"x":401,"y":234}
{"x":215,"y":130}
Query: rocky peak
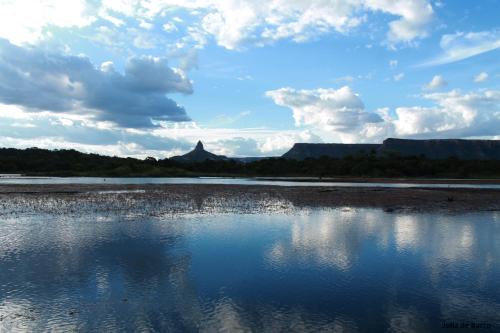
{"x":199,"y":146}
{"x":199,"y":154}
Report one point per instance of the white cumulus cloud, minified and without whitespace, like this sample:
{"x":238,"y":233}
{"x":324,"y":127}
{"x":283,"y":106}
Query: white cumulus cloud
{"x":339,"y":115}
{"x":414,"y":18}
{"x":236,"y":23}
{"x":26,"y":21}
{"x":481,"y":77}
{"x":329,"y":109}
{"x":437,"y":82}
{"x":455,"y":115}
{"x":233,"y":24}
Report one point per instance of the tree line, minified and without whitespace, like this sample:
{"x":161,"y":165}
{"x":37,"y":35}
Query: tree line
{"x":42,"y":162}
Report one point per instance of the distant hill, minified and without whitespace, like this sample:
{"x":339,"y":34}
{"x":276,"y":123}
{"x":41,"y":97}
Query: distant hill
{"x":301,"y":151}
{"x":392,"y":158}
{"x":198,"y":154}
{"x":431,"y":149}
{"x":247,"y":159}
{"x":445,"y":148}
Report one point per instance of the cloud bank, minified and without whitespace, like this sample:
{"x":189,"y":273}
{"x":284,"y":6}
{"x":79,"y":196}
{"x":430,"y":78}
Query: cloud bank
{"x":340,"y":115}
{"x":22,"y":129}
{"x":332,"y":110}
{"x":27,"y":21}
{"x":233,"y":24}
{"x":42,"y":81}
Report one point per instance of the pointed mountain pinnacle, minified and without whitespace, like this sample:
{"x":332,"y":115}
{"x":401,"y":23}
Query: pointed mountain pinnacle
{"x":199,"y":146}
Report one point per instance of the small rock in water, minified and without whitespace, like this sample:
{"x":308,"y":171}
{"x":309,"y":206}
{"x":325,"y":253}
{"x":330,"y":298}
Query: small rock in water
{"x":388,"y":209}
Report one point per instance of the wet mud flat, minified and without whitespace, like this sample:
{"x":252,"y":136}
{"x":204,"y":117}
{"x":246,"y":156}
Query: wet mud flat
{"x":156,"y":199}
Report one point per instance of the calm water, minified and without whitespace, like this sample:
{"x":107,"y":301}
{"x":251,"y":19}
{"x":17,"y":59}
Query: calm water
{"x":217,"y":180}
{"x":341,"y":270}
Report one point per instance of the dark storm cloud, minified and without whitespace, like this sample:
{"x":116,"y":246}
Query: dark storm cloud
{"x":39,"y":80}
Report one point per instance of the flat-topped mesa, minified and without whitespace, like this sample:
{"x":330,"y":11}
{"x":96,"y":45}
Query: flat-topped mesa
{"x":301,"y":151}
{"x":431,"y":149}
{"x":436,"y":149}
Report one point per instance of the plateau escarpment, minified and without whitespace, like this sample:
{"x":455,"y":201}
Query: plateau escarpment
{"x":445,"y":148}
{"x":301,"y":151}
{"x":431,"y":149}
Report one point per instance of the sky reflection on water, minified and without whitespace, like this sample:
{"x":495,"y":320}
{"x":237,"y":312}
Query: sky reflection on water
{"x":283,"y":181}
{"x":341,"y":270}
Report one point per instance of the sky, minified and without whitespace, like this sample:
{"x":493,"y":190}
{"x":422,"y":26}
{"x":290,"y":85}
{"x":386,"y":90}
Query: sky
{"x":249,"y":78}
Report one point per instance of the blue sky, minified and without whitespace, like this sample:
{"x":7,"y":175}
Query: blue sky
{"x":249,"y":78}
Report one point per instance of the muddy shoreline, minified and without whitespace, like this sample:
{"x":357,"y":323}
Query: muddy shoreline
{"x":464,"y":181}
{"x":157,"y":199}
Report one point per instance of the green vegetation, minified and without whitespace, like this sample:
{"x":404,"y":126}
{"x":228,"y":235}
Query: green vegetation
{"x":40,"y":162}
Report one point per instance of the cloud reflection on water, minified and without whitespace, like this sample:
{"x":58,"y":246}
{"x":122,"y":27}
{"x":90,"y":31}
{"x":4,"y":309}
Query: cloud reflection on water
{"x":308,"y":270}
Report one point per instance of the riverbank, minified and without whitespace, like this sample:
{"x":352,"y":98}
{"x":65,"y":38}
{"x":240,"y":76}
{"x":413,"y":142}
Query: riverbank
{"x":157,"y":199}
{"x":465,"y":181}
